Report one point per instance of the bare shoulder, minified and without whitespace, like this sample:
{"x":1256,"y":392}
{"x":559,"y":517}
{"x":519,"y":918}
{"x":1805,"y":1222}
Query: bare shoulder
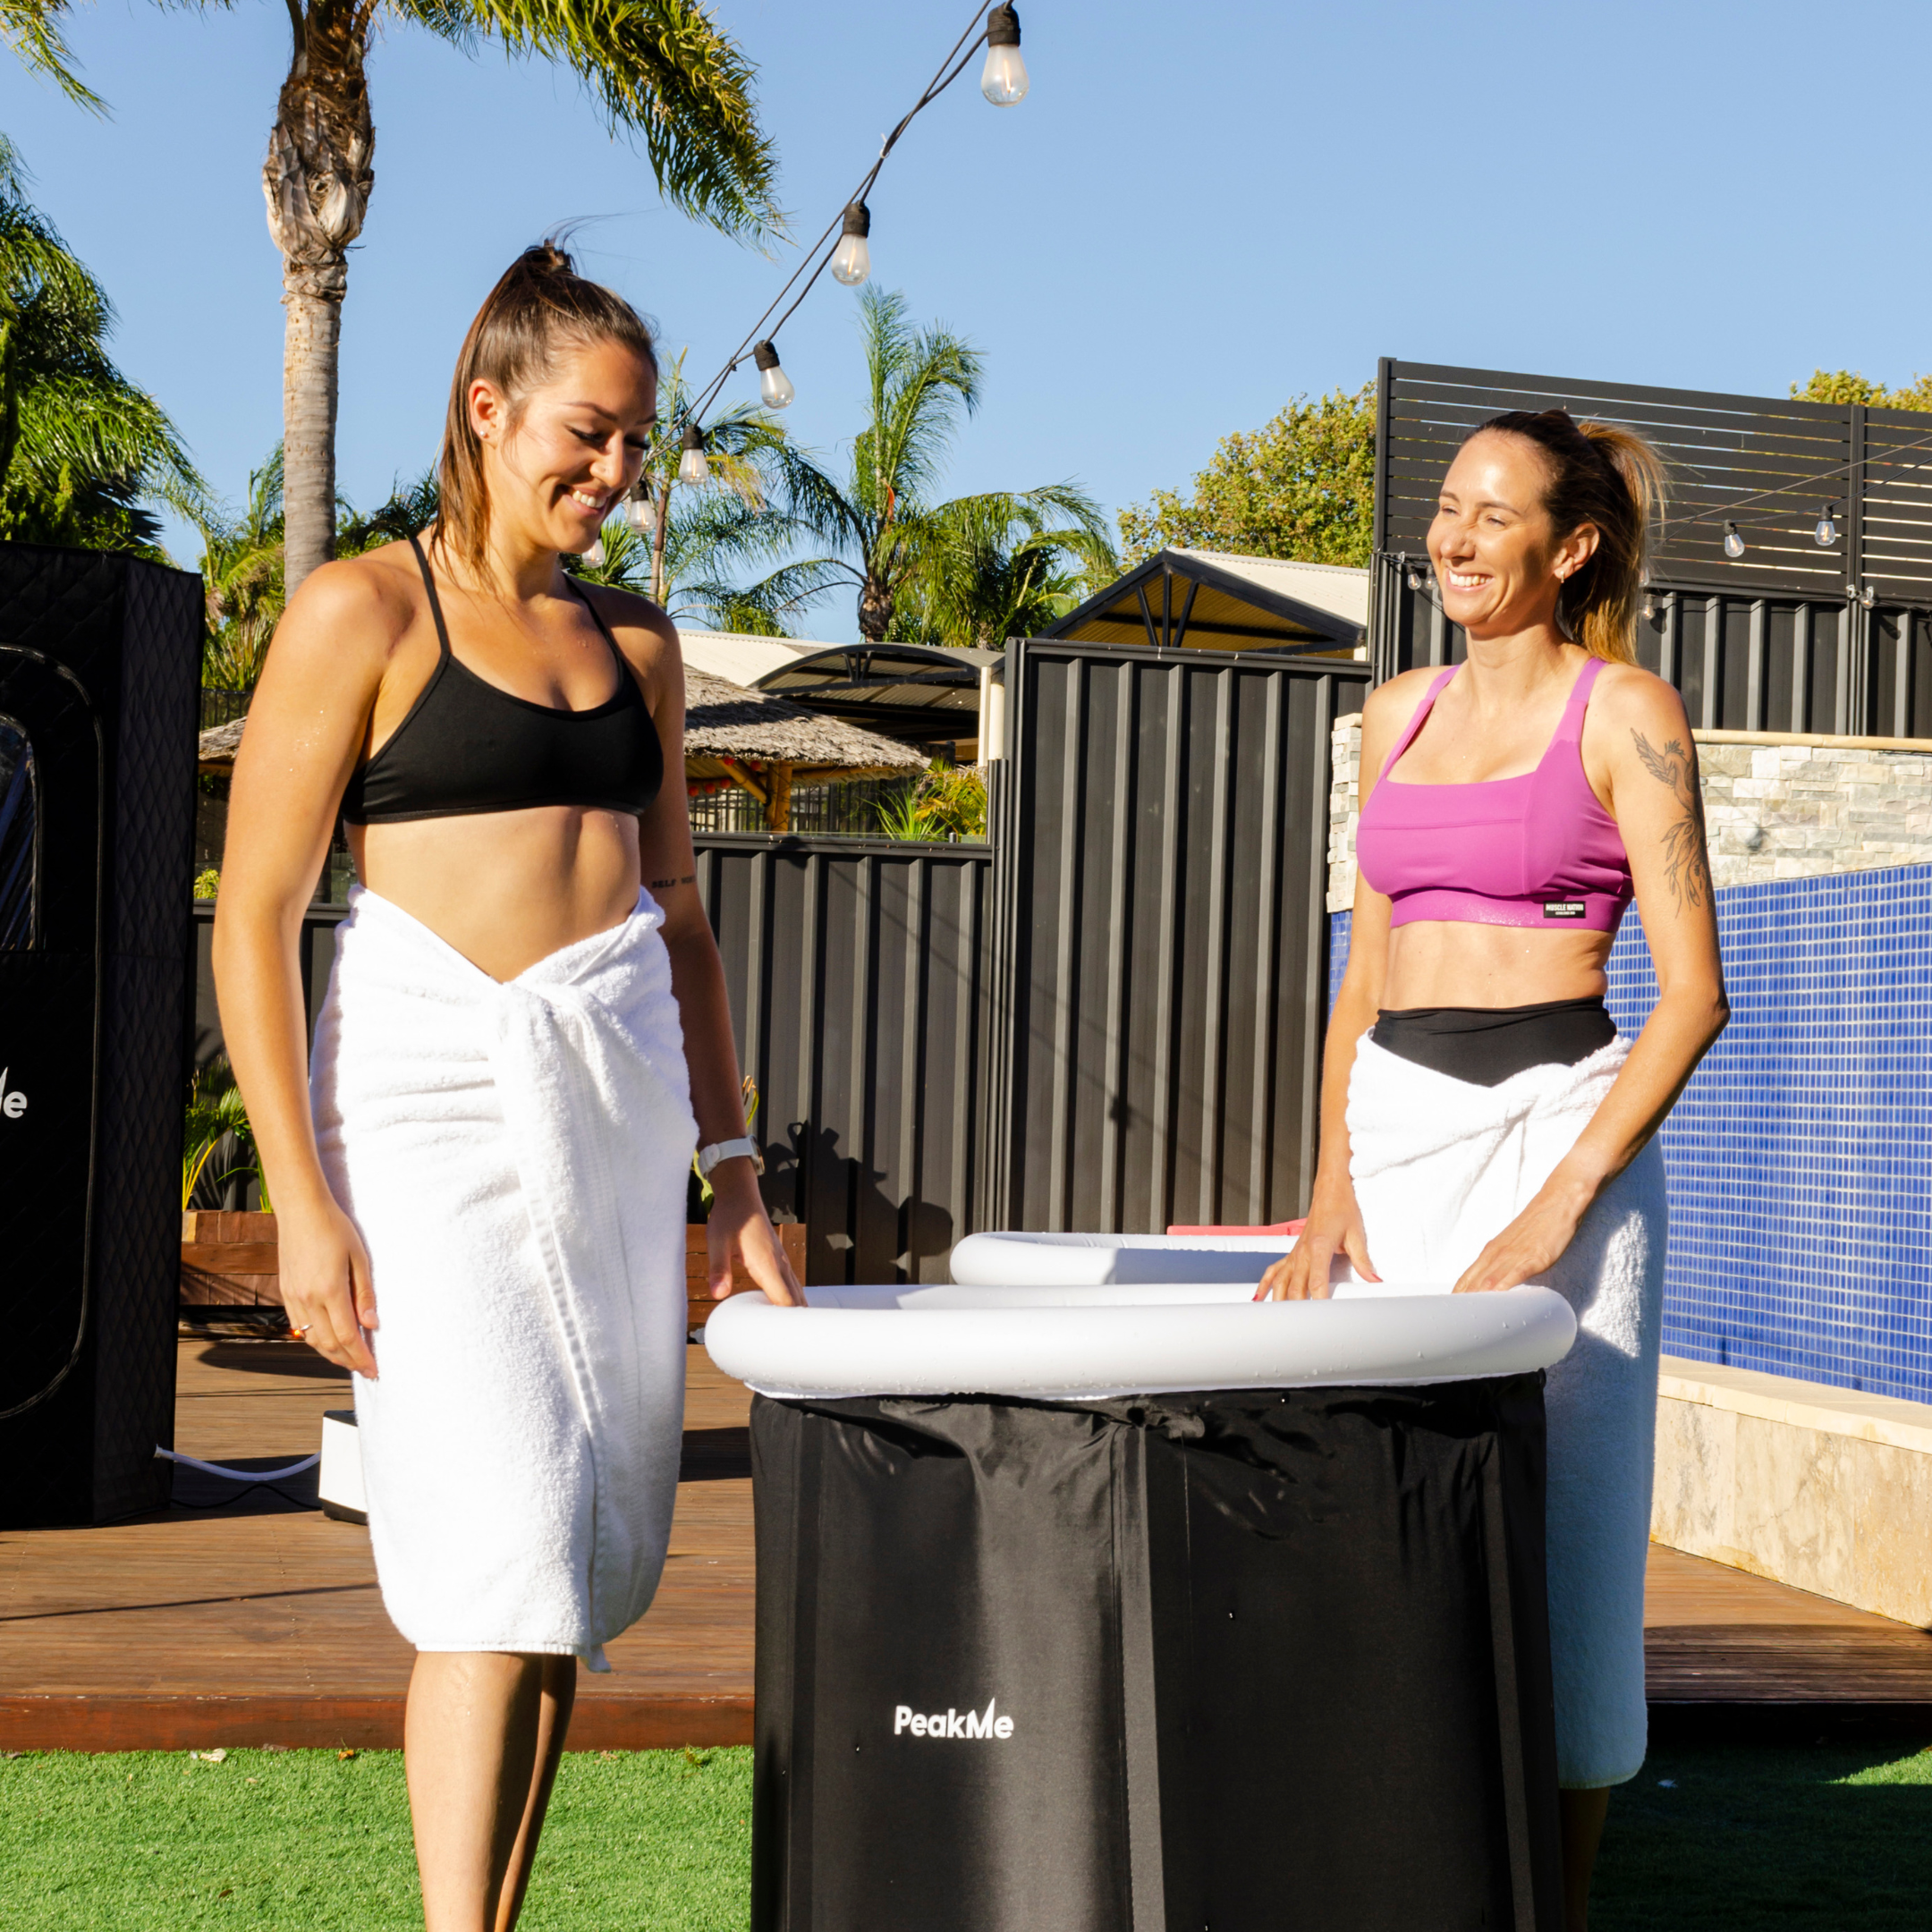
{"x":1393,"y":702}
{"x":1633,"y":708}
{"x":644,"y":632}
{"x":351,"y":613}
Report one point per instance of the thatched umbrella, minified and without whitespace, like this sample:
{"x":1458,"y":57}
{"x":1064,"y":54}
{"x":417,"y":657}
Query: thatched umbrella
{"x":765,"y":745}
{"x":745,"y":738}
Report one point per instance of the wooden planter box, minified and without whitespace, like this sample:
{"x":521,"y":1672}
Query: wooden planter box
{"x":229,"y":1260}
{"x":697,"y":1267}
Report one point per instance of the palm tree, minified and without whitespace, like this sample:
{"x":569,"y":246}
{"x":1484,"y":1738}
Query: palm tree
{"x":1004,"y":570}
{"x":889,"y":540}
{"x":658,"y":69}
{"x":82,"y":451}
{"x":242,"y":581}
{"x":697,"y":533}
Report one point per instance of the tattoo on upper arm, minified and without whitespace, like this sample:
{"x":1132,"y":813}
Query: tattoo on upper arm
{"x":690,"y":878}
{"x":1686,"y":857}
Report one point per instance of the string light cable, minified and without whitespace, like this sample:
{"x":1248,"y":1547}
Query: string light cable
{"x":1003,"y":82}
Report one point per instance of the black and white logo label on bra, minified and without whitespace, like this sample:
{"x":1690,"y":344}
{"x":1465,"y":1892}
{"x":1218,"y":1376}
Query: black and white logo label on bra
{"x":1563,"y":908}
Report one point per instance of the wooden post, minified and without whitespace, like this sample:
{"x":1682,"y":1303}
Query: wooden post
{"x":778,"y":800}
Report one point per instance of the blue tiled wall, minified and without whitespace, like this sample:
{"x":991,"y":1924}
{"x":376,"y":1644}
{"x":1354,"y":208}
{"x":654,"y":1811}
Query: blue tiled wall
{"x":1801,"y":1154}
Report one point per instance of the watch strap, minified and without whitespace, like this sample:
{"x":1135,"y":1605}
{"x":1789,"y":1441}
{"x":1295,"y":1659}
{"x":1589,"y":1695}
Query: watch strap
{"x":723,"y":1150}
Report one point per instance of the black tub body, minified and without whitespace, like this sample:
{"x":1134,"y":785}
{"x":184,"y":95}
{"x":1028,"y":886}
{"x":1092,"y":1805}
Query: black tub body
{"x":99,"y":674}
{"x":1238,"y":1662}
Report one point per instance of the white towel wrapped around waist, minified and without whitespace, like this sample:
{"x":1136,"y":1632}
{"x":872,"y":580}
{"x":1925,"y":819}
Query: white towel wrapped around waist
{"x":1441,"y":1166}
{"x":514,"y":1156}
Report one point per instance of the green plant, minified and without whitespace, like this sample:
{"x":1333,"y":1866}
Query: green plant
{"x":215,"y":1110}
{"x":748,"y":1094}
{"x":948,"y":802}
{"x":206,"y":882}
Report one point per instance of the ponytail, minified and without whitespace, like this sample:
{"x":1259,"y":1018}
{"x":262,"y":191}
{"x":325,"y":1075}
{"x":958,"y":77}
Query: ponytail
{"x":542,"y":305}
{"x":1611,"y":478}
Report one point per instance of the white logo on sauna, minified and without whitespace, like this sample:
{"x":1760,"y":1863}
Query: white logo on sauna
{"x":12,"y":1102}
{"x":952,"y":1723}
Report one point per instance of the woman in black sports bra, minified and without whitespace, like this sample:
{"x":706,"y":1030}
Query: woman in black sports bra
{"x":481,"y":1202}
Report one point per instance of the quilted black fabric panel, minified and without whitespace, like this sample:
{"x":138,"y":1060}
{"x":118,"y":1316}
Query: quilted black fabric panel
{"x":137,"y":1227}
{"x":124,"y":641}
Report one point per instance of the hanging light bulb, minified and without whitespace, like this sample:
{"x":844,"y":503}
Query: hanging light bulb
{"x":1650,"y":607}
{"x":692,"y":468}
{"x":594,"y":556}
{"x":640,"y":510}
{"x":1734,"y":543}
{"x":774,"y":384}
{"x":1005,"y":81}
{"x":1827,"y":532}
{"x":851,"y":262}
{"x":1415,"y":578}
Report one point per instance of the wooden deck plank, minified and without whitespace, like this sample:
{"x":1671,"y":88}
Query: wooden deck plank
{"x":261,"y":1621}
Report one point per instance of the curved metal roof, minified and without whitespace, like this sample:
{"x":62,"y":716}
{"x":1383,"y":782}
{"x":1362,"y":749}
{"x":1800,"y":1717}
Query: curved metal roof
{"x":918,"y":691}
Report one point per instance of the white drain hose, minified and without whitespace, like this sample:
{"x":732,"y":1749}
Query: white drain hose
{"x":237,"y":1475}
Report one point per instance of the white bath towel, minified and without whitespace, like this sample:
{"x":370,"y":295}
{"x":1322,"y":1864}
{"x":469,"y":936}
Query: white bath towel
{"x":1441,"y":1166}
{"x":514,"y":1156}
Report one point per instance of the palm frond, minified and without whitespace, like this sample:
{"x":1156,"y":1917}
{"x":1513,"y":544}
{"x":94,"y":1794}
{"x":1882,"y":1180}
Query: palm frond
{"x":660,"y":69}
{"x":32,"y":29}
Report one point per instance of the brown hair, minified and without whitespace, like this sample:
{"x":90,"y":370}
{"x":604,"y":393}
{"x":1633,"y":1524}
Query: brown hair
{"x":1612,"y":477}
{"x":540,"y":305}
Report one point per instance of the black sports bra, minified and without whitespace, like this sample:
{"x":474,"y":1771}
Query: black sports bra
{"x":467,"y":746}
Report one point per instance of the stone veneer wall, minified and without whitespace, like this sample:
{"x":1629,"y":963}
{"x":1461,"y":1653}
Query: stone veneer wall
{"x":1775,"y":810}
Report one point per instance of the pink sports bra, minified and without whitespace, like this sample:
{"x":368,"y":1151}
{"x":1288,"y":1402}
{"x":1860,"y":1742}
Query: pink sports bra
{"x":1529,"y":851}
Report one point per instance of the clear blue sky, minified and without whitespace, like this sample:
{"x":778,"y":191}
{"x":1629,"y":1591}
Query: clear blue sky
{"x":1200,"y":211}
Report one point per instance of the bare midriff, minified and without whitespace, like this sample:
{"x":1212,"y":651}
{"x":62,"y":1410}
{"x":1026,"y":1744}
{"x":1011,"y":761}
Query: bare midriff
{"x":506,"y":888}
{"x":1441,"y":962}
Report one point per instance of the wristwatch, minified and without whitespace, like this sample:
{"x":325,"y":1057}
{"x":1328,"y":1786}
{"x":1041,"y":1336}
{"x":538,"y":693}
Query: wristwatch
{"x":709,"y":1157}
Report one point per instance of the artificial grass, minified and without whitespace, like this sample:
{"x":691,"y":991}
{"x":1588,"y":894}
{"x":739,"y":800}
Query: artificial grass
{"x":1805,"y":1838}
{"x":311,"y":1842}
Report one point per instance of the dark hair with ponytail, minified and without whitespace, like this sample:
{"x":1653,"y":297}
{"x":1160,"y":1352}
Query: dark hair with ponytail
{"x":1613,"y":478}
{"x":541,"y":306}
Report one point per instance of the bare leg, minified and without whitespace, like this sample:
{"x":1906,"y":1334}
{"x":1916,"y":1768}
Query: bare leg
{"x":470,"y":1748}
{"x":559,"y":1694}
{"x":1581,"y":1815}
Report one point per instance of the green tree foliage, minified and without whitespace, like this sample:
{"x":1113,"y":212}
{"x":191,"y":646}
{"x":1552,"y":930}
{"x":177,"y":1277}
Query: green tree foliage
{"x":83,"y":452}
{"x":1302,"y":487}
{"x":1847,"y":385}
{"x":957,"y":571}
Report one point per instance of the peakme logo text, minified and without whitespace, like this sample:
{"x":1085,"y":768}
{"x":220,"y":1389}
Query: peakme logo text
{"x":12,"y":1101}
{"x":952,"y":1723}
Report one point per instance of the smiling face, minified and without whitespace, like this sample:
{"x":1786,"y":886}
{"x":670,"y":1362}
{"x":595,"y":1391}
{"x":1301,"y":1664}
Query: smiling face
{"x":558,"y":459}
{"x":1499,"y":563}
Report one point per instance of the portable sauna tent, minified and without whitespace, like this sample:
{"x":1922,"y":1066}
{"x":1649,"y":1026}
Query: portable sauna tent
{"x":99,"y":679}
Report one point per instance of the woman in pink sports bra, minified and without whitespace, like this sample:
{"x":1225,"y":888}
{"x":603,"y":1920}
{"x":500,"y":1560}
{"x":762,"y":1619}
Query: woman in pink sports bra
{"x":1483,"y":1124}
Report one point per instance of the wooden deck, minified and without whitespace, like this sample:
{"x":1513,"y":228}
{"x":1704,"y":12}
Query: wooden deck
{"x":260,"y":1622}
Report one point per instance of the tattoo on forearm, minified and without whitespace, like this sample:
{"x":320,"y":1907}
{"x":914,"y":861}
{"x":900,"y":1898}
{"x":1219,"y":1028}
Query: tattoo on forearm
{"x":661,"y":884}
{"x":1686,"y":855}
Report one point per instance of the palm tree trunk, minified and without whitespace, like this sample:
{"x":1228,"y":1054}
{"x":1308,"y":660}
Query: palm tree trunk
{"x":875,"y":604}
{"x":660,"y":533}
{"x":317,"y":179}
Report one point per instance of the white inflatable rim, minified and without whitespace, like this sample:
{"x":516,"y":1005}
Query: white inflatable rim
{"x":1002,"y":1260}
{"x":1071,"y":1342}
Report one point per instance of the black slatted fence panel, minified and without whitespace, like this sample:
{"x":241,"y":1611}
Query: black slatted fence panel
{"x":857,"y":973}
{"x":1162,"y":827}
{"x":1791,"y":635}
